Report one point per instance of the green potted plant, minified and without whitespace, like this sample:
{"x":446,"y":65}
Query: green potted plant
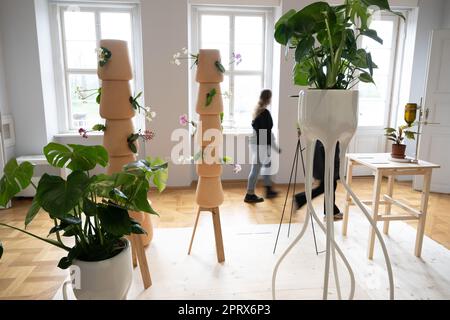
{"x":397,"y":136}
{"x":90,"y":213}
{"x":328,"y":61}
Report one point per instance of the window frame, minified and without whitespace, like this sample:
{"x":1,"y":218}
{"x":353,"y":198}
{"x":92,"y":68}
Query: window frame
{"x":267,"y":13}
{"x":62,"y":71}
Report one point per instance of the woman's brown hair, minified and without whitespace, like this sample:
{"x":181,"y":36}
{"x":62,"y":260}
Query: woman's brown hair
{"x":264,"y":100}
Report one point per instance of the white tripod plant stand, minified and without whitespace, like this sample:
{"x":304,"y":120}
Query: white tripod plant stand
{"x":330,"y":116}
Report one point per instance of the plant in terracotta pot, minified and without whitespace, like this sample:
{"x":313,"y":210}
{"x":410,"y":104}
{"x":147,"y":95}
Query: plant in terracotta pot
{"x":328,"y":61}
{"x":90,"y":213}
{"x":397,"y":136}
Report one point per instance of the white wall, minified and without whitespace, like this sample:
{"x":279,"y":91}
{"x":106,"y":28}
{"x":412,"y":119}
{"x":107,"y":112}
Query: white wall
{"x":4,"y":104}
{"x":23,"y":74}
{"x":446,"y":23}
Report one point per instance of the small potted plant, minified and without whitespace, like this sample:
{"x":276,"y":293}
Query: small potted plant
{"x":90,"y":213}
{"x":397,"y":136}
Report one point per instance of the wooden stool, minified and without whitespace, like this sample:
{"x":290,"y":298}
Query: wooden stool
{"x":217,"y":232}
{"x":138,"y":253}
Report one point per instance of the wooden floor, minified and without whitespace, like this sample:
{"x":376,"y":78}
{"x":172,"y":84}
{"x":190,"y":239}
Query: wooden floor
{"x":28,"y":267}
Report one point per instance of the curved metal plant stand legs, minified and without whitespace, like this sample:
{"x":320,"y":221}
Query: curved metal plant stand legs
{"x":331,"y":245}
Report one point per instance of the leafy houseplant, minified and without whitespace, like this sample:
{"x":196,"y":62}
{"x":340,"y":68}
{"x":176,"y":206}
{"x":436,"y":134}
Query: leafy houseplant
{"x":397,"y":136}
{"x":90,"y":209}
{"x":325,"y":41}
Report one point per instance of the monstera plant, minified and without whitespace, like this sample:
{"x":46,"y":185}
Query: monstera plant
{"x":90,"y":209}
{"x":325,"y":40}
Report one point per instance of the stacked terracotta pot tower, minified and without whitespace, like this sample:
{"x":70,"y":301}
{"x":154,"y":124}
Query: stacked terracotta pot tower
{"x":116,"y":108}
{"x":209,"y":194}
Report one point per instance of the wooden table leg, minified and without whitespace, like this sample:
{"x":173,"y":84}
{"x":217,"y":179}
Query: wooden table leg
{"x":388,"y":205}
{"x":423,"y":212}
{"x":375,"y":206}
{"x":348,"y":199}
{"x":142,"y":260}
{"x":218,"y":235}
{"x":193,"y":231}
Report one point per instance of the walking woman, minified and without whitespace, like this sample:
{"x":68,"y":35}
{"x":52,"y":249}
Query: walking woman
{"x":261,"y":143}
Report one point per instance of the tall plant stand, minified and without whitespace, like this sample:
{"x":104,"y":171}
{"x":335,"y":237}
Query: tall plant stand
{"x":116,"y":108}
{"x":215,"y":213}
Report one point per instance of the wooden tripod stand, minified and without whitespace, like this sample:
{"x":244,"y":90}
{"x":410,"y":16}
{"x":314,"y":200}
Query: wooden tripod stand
{"x":217,"y":232}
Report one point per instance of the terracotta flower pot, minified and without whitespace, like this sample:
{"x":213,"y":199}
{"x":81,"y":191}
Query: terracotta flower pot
{"x":209,"y":130}
{"x":115,"y":137}
{"x":118,"y":66}
{"x":398,"y":151}
{"x":116,"y":163}
{"x":216,"y":105}
{"x":115,"y":100}
{"x":209,"y":192}
{"x":209,"y":170}
{"x":206,"y":68}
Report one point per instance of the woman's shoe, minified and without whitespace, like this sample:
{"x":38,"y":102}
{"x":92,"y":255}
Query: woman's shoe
{"x":270,"y":193}
{"x":336,"y":217}
{"x":252,"y":198}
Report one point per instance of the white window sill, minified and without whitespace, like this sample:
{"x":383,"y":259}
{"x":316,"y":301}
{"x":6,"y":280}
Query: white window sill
{"x":74,"y":134}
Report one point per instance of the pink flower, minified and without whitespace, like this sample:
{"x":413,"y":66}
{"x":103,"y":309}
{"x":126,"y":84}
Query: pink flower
{"x":83,"y":133}
{"x":237,"y":57}
{"x":184,"y":120}
{"x":148,"y":135}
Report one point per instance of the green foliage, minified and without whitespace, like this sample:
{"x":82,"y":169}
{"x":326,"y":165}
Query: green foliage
{"x":210,"y":95}
{"x":16,"y":178}
{"x":131,"y":141}
{"x":220,"y":66}
{"x":398,"y":135}
{"x":325,"y":37}
{"x":75,"y":157}
{"x":99,"y":127}
{"x":93,"y":210}
{"x":104,"y":56}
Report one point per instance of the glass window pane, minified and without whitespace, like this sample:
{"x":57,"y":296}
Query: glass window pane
{"x":246,"y":94}
{"x":249,"y":42}
{"x":84,"y":112}
{"x":116,"y":25}
{"x":79,"y":31}
{"x":226,"y":97}
{"x":374,"y":99}
{"x":215,"y":34}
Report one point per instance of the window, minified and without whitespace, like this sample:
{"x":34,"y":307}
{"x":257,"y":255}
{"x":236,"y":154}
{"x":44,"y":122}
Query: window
{"x":80,"y":29}
{"x":375,"y":100}
{"x":234,"y":30}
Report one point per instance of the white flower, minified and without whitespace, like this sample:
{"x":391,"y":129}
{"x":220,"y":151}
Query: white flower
{"x":177,"y":62}
{"x":184,"y":50}
{"x":237,"y":168}
{"x":152,"y":114}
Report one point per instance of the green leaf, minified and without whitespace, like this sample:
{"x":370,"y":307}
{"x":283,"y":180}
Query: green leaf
{"x":82,"y":158}
{"x":32,"y":211}
{"x":282,"y":31}
{"x":219,"y":66}
{"x":132,"y":147}
{"x":57,"y":196}
{"x":15,"y":179}
{"x":410,"y":135}
{"x":114,"y":220}
{"x":372,"y":34}
{"x":1,"y":249}
{"x":382,"y":4}
{"x":209,"y":96}
{"x":99,"y":127}
{"x":365,"y":77}
{"x":99,"y":95}
{"x":89,"y":207}
{"x":304,"y":47}
{"x":301,"y":75}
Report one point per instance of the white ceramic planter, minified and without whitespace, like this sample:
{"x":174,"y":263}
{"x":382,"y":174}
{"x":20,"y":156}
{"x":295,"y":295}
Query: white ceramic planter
{"x":102,"y":280}
{"x":330,"y":116}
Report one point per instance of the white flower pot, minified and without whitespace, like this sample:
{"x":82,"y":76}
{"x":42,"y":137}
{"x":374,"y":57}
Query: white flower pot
{"x":102,"y":280}
{"x":328,"y":115}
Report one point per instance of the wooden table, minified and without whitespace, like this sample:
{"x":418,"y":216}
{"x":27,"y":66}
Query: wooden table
{"x":381,"y":166}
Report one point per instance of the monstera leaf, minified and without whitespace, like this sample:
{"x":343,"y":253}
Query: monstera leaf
{"x":16,"y":178}
{"x":58,"y":196}
{"x":77,"y":157}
